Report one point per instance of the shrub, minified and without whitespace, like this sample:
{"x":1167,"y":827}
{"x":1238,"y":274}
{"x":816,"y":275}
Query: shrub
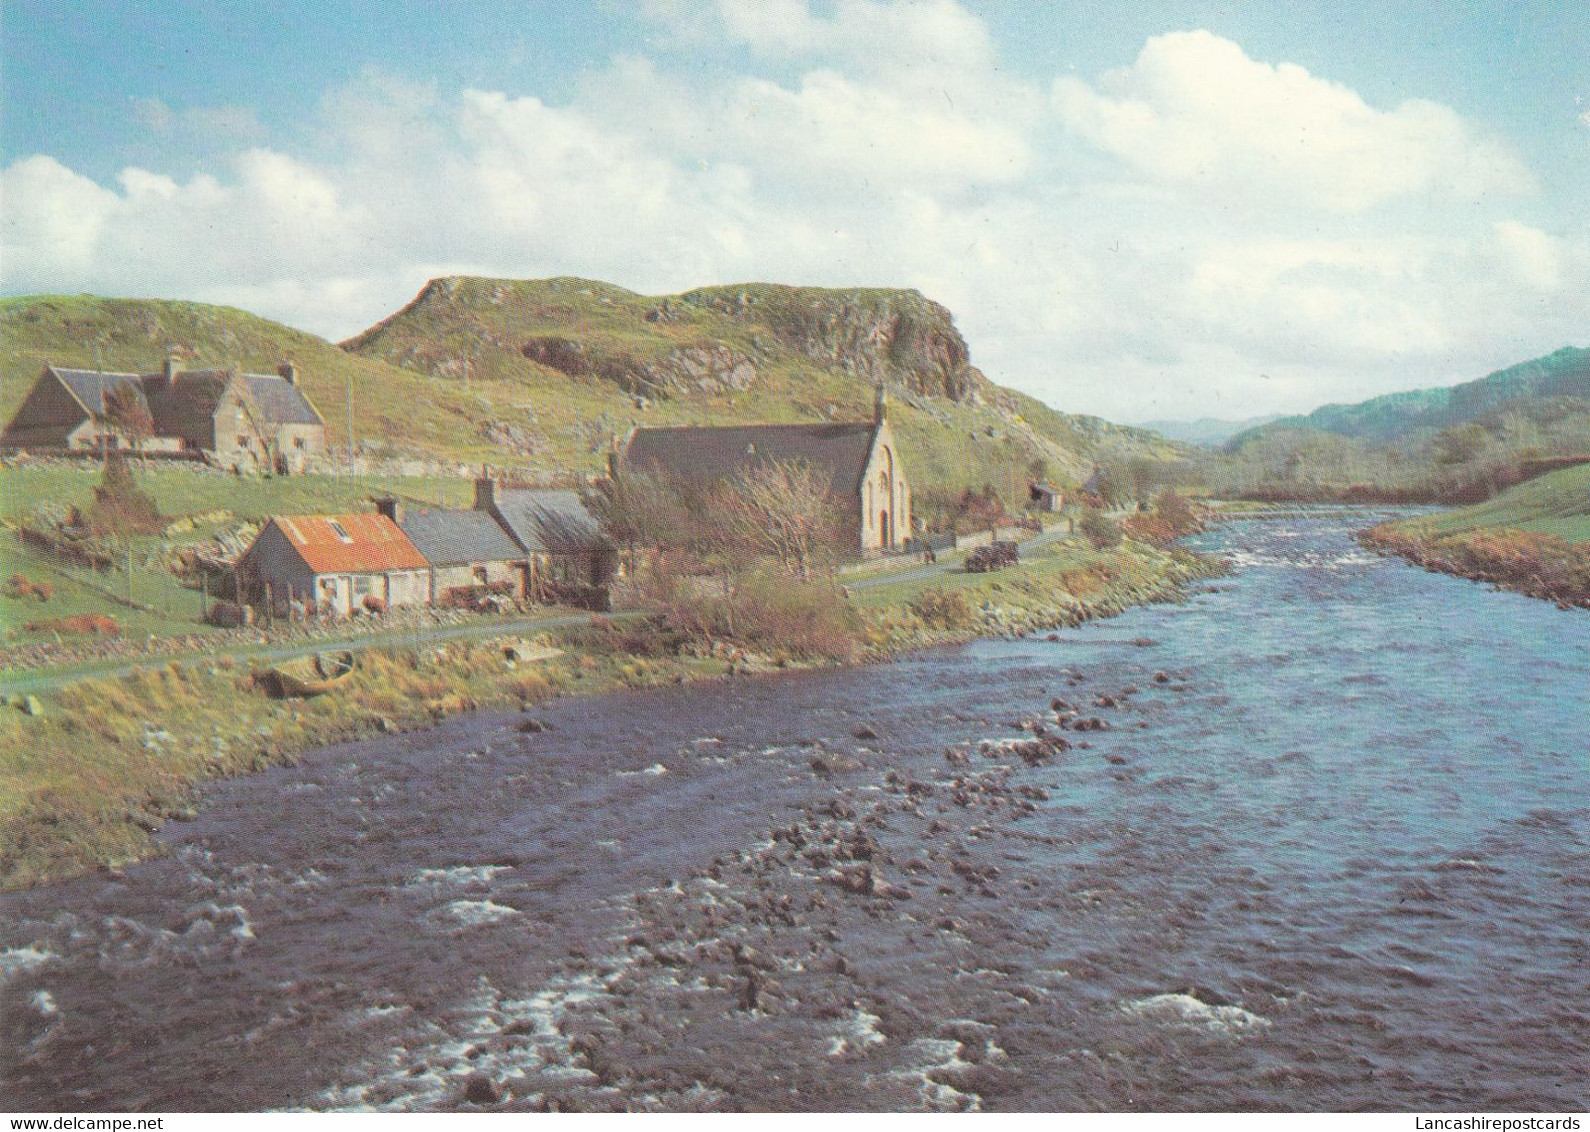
{"x":942,"y":609}
{"x":772,"y":612}
{"x":374,"y":604}
{"x":83,"y":624}
{"x":19,"y":586}
{"x":1099,"y":529}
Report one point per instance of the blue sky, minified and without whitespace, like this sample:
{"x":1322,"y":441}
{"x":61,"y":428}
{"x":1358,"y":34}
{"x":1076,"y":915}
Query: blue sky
{"x":1140,"y":210}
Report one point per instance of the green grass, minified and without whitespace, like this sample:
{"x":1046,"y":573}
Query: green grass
{"x":1555,"y":504}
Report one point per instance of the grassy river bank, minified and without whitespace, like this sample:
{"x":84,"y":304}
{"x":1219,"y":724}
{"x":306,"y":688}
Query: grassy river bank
{"x":88,"y":781}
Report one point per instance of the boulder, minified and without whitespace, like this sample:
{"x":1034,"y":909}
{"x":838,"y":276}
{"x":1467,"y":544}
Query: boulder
{"x":481,"y":1089}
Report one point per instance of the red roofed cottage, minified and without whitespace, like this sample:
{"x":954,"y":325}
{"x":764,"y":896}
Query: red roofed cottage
{"x":338,"y":562}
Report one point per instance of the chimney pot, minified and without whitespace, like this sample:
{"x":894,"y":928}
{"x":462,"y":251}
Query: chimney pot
{"x":170,"y":369}
{"x":289,"y":372}
{"x":390,"y":506}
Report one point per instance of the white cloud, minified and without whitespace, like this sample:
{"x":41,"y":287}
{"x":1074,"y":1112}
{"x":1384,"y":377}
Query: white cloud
{"x":1534,"y":257}
{"x":1107,"y":285}
{"x":1194,"y":109}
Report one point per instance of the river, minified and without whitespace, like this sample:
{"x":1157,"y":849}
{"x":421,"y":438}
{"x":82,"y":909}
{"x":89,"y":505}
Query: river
{"x":1328,"y":848}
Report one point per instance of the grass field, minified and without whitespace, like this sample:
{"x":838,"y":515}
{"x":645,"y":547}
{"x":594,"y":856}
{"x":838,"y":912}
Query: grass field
{"x":1556,"y":504}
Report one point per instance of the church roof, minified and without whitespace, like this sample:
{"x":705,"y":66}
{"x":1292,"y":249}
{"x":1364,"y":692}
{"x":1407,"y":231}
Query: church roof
{"x":707,"y":454}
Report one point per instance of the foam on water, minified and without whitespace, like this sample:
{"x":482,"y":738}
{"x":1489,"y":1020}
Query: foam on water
{"x":457,"y":875}
{"x":474,"y":913}
{"x":1186,"y":1010}
{"x":20,"y":959}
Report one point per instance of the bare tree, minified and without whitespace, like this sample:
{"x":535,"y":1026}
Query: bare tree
{"x":781,"y":509}
{"x":126,"y":413}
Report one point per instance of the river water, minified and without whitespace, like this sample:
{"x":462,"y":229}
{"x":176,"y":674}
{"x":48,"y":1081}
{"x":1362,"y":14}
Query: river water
{"x":1329,"y":849}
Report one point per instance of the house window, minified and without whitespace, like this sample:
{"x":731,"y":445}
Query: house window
{"x":480,"y":575}
{"x":361,"y":586}
{"x":242,"y":441}
{"x":298,"y":442}
{"x":341,"y":532}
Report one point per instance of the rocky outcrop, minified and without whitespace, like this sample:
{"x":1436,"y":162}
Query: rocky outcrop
{"x":703,"y":367}
{"x":895,"y":336}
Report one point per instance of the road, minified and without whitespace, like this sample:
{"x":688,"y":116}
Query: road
{"x":43,"y":680}
{"x":919,"y":573}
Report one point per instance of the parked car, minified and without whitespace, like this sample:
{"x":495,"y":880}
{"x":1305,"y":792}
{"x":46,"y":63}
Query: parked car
{"x":994,"y":556}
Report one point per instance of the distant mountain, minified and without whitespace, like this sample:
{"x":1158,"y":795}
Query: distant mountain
{"x":1456,"y":444}
{"x":1205,"y":432}
{"x":1565,"y":373}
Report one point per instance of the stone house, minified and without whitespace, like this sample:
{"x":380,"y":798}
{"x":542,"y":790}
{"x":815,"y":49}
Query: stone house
{"x":466,"y":549}
{"x":866,"y":477}
{"x":337,"y":562}
{"x":244,"y":421}
{"x":562,"y":541}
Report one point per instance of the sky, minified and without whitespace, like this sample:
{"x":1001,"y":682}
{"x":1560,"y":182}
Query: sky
{"x":1140,"y":210}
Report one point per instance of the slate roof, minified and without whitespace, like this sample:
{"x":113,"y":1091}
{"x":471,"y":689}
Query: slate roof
{"x":279,"y":399}
{"x":448,"y":537}
{"x":702,"y":455}
{"x":186,"y":409}
{"x":374,"y":544}
{"x":89,"y":385}
{"x":549,"y":521}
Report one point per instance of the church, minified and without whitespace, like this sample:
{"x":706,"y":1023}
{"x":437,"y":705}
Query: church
{"x":860,"y":460}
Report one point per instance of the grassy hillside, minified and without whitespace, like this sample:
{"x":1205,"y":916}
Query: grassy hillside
{"x":1556,"y":504}
{"x":395,"y":410}
{"x":1533,"y":538}
{"x":595,"y":360}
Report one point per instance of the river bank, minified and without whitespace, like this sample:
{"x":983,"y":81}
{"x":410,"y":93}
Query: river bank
{"x":90,"y":780}
{"x":1536,"y":565}
{"x":1317,"y":790}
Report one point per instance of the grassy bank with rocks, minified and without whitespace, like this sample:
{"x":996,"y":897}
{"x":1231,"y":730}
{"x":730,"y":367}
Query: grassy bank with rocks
{"x":88,"y":779}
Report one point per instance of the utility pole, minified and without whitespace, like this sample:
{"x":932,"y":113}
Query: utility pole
{"x":350,"y":430}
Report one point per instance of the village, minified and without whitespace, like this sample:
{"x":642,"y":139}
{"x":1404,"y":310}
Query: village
{"x":513,"y":549}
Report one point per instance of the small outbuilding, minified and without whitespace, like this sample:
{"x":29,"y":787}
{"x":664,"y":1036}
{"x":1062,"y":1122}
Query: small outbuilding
{"x":1044,"y":496}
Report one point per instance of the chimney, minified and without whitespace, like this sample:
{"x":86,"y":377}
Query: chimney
{"x":389,"y":505}
{"x":485,"y":490}
{"x":289,"y":372}
{"x":170,"y":370}
{"x":880,"y":408}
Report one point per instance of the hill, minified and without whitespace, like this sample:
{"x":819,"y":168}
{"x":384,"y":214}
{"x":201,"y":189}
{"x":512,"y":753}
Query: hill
{"x":544,"y":374}
{"x":587,"y":361}
{"x":1565,"y":373}
{"x":1457,"y":444}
